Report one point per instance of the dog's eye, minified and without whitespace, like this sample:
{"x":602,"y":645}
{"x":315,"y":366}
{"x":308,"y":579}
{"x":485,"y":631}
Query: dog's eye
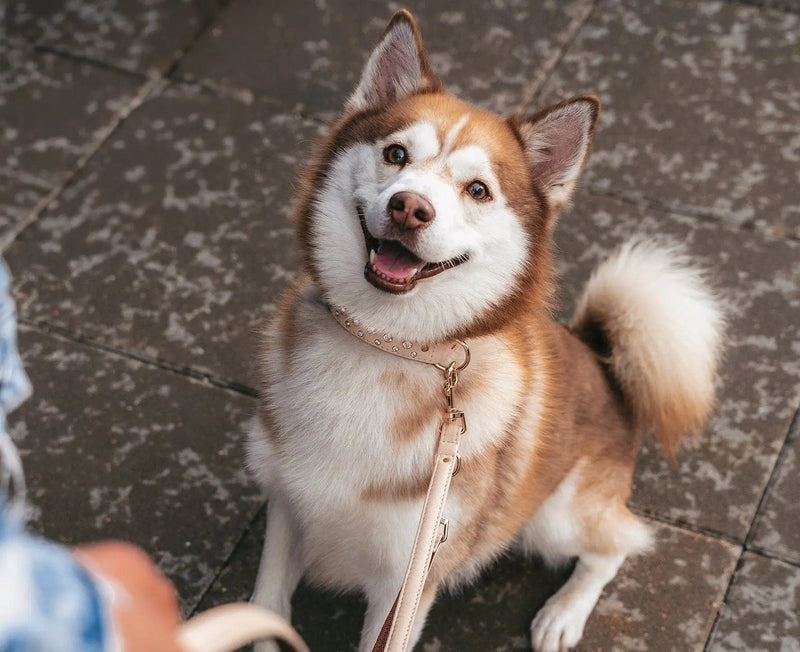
{"x":395,"y":154}
{"x":478,"y":190}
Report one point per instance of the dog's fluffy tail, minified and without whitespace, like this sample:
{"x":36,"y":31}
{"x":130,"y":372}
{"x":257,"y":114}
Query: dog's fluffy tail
{"x":651,"y":314}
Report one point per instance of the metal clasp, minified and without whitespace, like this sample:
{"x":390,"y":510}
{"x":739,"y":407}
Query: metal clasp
{"x":452,"y":414}
{"x":445,"y":530}
{"x":456,"y":415}
{"x":464,"y":362}
{"x":450,"y":382}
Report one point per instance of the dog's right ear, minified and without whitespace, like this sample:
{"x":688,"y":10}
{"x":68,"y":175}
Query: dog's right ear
{"x":557,"y":141}
{"x":397,"y":67}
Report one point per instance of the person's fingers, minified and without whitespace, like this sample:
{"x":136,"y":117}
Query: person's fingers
{"x":149,"y":616}
{"x":142,"y":629}
{"x":130,"y":566}
{"x":167,"y":597}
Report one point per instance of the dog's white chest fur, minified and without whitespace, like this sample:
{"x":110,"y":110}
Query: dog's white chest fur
{"x":353,"y":401}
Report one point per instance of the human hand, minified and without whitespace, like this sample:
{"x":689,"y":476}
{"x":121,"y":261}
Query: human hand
{"x":147,"y":617}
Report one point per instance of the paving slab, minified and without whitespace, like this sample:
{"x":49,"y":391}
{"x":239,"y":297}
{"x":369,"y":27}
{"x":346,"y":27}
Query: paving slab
{"x":50,"y":111}
{"x":311,"y":56}
{"x":718,"y":484}
{"x":700,"y":106}
{"x":778,"y":526}
{"x":762,"y":609}
{"x":137,"y":35}
{"x":175,"y":240}
{"x":116,"y":449}
{"x":665,"y":600}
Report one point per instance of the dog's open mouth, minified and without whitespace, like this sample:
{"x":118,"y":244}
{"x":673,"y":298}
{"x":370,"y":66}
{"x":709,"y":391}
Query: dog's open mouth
{"x":394,"y":268}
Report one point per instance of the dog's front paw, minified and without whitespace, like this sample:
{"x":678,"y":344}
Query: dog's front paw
{"x":558,"y":626}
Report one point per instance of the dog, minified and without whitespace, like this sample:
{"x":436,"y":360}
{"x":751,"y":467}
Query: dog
{"x":428,"y":220}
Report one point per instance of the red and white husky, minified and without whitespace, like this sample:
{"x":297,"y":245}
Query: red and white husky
{"x":431,"y":220}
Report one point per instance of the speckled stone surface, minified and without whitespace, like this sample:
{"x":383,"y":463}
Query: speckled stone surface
{"x":665,"y":600}
{"x":700,"y":106}
{"x":323,"y":47}
{"x":18,"y":194}
{"x":762,"y":612}
{"x":778,"y":527}
{"x":131,"y":34}
{"x":780,"y":5}
{"x":116,"y":449}
{"x":50,"y":110}
{"x":171,"y":245}
{"x":176,"y":241}
{"x":188,"y":207}
{"x":717,"y":485}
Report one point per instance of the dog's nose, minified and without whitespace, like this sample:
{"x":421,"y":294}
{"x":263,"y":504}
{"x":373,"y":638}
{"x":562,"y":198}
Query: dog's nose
{"x":410,"y":210}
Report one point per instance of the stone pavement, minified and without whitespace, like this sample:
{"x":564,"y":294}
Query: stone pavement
{"x":149,"y":151}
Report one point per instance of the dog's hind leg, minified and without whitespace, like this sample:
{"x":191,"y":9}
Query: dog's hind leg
{"x":585,"y":517}
{"x":280,"y":569}
{"x":559,"y":624}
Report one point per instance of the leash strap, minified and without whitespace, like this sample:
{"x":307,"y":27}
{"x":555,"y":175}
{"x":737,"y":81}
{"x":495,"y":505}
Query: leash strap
{"x":396,"y":630}
{"x":428,"y":538}
{"x":231,"y":626}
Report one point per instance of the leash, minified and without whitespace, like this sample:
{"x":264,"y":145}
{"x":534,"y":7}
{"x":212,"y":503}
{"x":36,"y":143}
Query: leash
{"x":233,"y":625}
{"x":433,"y":529}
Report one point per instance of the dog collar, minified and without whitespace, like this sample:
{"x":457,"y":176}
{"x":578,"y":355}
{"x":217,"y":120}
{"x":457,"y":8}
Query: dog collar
{"x":441,"y":355}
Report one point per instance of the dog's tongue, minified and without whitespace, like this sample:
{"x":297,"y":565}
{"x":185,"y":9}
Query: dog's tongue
{"x":394,"y":260}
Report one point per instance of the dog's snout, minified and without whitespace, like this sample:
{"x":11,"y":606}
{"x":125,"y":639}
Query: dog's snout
{"x":410,"y":210}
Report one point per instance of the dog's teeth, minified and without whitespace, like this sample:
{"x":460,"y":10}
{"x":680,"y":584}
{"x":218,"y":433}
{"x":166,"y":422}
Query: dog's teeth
{"x":371,"y":256}
{"x":414,"y":271}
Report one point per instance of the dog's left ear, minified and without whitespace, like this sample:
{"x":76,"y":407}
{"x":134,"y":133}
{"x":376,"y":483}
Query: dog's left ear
{"x":557,"y":142}
{"x":397,"y":67}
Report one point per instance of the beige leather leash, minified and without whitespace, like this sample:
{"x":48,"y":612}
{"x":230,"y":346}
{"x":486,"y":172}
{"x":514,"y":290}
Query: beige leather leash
{"x":432,"y":530}
{"x":231,"y":626}
{"x":428,"y":538}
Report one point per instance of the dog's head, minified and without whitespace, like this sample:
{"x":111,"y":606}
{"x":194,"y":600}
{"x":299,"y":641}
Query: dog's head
{"x":428,"y":217}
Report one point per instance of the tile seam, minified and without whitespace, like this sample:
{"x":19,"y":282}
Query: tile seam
{"x":45,"y":328}
{"x":65,"y":52}
{"x":747,"y":546}
{"x":153,"y":80}
{"x":66,"y":55}
{"x":706,"y":532}
{"x":772,"y":555}
{"x":249,"y":528}
{"x":209,"y":88}
{"x":794,"y":429}
{"x":531,"y":92}
{"x":220,"y":6}
{"x":94,"y":146}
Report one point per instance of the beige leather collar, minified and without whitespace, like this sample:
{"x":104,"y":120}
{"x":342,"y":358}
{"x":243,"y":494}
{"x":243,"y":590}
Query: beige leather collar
{"x":439,"y":354}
